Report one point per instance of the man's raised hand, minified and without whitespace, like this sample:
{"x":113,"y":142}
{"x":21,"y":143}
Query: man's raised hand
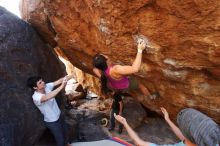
{"x":120,"y":119}
{"x":165,"y":113}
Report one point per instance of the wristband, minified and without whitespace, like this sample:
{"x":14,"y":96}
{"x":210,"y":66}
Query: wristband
{"x":140,"y":51}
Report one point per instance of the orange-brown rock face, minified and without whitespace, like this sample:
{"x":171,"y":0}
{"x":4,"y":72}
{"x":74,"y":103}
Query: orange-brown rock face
{"x":185,"y":66}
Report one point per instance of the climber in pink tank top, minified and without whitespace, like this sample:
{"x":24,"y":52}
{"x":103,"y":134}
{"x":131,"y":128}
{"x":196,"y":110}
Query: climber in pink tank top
{"x":116,"y":77}
{"x":122,"y":83}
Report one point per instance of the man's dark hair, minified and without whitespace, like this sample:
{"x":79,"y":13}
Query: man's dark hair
{"x":32,"y":81}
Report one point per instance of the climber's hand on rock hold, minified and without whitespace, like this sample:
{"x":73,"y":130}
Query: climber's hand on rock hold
{"x":141,"y":45}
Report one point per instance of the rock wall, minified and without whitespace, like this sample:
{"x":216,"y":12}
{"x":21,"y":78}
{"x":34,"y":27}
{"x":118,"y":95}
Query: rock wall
{"x":184,"y":67}
{"x":22,"y":54}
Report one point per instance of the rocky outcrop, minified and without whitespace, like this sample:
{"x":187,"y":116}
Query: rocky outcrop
{"x":22,"y":54}
{"x":91,"y":112}
{"x":133,"y":112}
{"x":185,"y":66}
{"x":88,"y":124}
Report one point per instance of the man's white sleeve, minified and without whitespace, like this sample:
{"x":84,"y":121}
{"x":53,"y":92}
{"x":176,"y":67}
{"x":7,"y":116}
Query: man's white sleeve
{"x":50,"y":86}
{"x":37,"y":98}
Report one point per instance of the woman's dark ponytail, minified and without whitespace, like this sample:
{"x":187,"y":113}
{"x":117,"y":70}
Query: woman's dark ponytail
{"x":104,"y":86}
{"x":100,"y":62}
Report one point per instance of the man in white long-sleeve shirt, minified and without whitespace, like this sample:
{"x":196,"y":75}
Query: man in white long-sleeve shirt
{"x":44,"y":99}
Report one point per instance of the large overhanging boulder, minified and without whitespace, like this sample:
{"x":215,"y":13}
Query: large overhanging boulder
{"x":184,"y":67}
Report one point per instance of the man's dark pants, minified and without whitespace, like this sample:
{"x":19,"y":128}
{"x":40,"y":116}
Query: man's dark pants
{"x":58,"y":129}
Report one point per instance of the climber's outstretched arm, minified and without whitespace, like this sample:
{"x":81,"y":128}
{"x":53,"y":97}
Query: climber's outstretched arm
{"x":126,"y":70}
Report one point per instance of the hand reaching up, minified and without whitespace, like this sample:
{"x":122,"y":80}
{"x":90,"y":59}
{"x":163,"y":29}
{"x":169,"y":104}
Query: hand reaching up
{"x":120,"y":119}
{"x":141,"y":45}
{"x":64,"y":81}
{"x":165,"y":113}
